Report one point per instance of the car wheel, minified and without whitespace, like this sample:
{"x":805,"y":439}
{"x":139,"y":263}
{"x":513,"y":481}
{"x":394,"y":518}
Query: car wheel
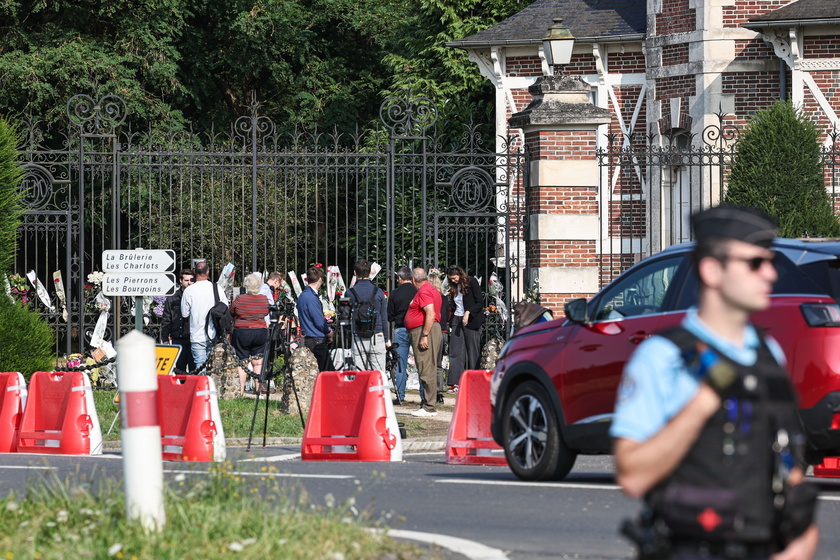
{"x":534,"y":446}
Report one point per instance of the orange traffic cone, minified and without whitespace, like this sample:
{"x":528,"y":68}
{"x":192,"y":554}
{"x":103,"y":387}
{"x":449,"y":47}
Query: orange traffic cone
{"x":12,"y":403}
{"x":59,"y":416}
{"x":470,"y":441}
{"x":349,"y":419}
{"x":187,"y":425}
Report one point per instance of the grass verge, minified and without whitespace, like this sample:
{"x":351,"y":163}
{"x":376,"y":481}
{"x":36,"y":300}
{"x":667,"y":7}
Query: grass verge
{"x":209,"y":516}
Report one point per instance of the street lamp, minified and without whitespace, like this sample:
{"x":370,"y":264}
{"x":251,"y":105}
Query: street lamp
{"x":558,"y":43}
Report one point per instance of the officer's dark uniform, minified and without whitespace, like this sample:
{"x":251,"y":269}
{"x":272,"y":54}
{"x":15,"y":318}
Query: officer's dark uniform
{"x":725,"y":497}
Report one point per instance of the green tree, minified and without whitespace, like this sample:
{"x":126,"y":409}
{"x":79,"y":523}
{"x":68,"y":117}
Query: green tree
{"x":11,"y":205}
{"x":421,"y":61}
{"x":192,"y":64}
{"x":25,"y":338}
{"x":779,"y":170}
{"x":50,"y":51}
{"x":27,"y":341}
{"x":188,"y":63}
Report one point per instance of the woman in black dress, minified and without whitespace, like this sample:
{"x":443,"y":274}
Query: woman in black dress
{"x":466,"y":304}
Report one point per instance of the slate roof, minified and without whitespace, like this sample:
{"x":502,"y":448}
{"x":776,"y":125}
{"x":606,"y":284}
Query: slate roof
{"x":802,"y":12}
{"x":588,"y":20}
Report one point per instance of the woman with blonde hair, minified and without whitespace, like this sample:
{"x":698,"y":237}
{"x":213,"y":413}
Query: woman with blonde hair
{"x":250,"y":333}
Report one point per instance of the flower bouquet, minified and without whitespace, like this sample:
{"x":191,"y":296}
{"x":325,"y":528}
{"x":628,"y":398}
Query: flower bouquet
{"x":18,"y":288}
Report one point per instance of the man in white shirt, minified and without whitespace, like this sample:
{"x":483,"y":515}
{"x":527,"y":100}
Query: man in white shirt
{"x":195,"y":304}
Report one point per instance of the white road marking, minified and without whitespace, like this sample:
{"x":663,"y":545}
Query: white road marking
{"x":425,"y":453}
{"x":830,"y":498}
{"x":273,"y":459}
{"x":16,"y":467}
{"x":471,"y":549}
{"x":269,"y":475}
{"x":530,"y":484}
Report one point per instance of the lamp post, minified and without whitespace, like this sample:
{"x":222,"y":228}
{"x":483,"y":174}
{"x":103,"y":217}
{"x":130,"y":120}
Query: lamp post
{"x":557,"y":44}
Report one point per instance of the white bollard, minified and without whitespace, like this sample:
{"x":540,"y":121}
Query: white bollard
{"x":140,"y":430}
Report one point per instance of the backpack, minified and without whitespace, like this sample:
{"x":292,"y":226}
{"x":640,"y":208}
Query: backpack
{"x":220,"y":315}
{"x":364,"y":317}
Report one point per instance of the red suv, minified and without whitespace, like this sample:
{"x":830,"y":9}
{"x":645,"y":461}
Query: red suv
{"x":554,"y":386}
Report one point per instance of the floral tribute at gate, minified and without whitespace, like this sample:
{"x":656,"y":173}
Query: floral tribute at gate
{"x":18,"y":288}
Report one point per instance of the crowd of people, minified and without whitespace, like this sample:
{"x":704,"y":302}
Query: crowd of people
{"x":419,"y":315}
{"x":705,"y":427}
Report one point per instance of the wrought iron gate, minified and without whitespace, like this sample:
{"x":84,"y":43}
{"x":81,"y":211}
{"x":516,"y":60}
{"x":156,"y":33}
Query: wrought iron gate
{"x":264,"y":200}
{"x":651,"y":185}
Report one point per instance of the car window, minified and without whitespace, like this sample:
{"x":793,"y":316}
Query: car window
{"x":825,"y":276}
{"x":641,"y":292}
{"x":791,"y":280}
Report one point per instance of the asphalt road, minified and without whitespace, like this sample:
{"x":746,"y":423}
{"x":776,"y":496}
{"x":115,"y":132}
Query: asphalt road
{"x":576,"y":518}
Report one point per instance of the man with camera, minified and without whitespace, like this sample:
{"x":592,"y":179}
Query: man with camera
{"x":370,"y":316}
{"x":269,"y":290}
{"x":706,"y":426}
{"x":317,"y":333}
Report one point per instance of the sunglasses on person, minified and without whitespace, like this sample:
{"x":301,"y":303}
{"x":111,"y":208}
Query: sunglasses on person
{"x":753,"y":263}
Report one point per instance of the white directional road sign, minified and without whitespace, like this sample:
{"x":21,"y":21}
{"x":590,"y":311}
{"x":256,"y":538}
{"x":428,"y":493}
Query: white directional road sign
{"x":138,"y":260}
{"x":138,"y":284}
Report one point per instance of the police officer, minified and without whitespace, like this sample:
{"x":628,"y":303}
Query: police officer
{"x":705,"y":427}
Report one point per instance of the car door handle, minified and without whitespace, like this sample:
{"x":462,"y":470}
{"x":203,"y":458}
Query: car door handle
{"x":638,"y":337}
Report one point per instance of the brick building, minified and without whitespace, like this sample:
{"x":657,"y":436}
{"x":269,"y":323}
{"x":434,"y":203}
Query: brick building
{"x":668,"y":72}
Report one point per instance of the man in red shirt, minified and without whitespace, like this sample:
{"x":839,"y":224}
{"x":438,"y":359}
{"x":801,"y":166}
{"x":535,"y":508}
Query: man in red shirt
{"x":421,"y":321}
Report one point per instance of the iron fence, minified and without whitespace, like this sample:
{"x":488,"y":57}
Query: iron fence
{"x":263,"y":200}
{"x":650,"y":185}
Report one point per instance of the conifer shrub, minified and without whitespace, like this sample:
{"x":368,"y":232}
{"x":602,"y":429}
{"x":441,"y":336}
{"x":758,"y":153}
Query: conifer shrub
{"x":26,"y":341}
{"x":779,"y":170}
{"x":11,"y":207}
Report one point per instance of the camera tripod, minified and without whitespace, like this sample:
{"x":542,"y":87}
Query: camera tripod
{"x":346,"y":335}
{"x":279,"y":337}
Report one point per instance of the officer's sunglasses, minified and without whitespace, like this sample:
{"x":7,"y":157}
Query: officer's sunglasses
{"x":753,"y":263}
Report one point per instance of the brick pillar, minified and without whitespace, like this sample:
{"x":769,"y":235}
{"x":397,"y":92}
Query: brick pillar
{"x":562,"y":248}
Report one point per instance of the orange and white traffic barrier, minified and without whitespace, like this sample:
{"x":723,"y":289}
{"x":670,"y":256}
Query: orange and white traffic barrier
{"x":60,"y":417}
{"x":470,"y":441}
{"x":12,"y":403}
{"x":351,"y":419}
{"x":190,"y":423}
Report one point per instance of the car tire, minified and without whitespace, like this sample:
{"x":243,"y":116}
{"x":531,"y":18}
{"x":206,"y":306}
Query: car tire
{"x":533,"y":444}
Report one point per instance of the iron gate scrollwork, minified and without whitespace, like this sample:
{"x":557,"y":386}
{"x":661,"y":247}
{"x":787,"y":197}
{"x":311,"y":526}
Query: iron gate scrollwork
{"x":466,"y":204}
{"x":479,"y":222}
{"x":263,"y":199}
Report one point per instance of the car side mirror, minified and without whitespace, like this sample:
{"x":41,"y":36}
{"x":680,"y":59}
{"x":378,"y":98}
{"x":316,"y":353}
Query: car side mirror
{"x":576,"y":311}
